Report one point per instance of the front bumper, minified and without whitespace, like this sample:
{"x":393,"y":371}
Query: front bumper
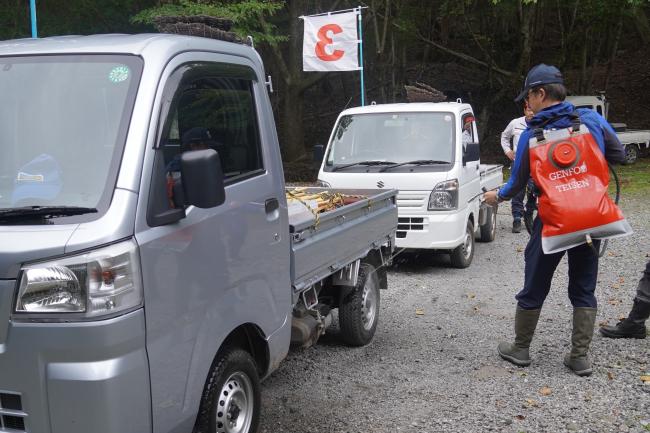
{"x":442,"y":230}
{"x":74,"y":377}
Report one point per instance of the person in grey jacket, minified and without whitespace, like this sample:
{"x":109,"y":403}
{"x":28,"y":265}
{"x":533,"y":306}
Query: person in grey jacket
{"x":509,"y":140}
{"x":633,"y":326}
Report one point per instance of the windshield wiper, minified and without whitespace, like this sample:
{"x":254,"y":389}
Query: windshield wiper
{"x":352,"y":164}
{"x":417,"y":162}
{"x":44,"y":212}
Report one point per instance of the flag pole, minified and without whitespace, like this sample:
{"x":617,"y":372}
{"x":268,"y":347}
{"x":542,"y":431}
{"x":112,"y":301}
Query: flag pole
{"x":363,"y":88}
{"x":32,"y":7}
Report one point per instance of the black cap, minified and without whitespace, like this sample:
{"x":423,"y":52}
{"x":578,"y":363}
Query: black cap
{"x":197,"y":134}
{"x":538,"y":76}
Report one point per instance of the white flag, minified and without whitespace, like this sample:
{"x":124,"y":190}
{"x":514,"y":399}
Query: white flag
{"x":331,"y":43}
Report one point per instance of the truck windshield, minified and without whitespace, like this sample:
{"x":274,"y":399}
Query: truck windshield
{"x":394,"y":137}
{"x":63,"y":122}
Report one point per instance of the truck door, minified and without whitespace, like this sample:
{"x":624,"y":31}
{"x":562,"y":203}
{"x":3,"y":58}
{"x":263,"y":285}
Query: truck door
{"x":217,"y":268}
{"x":469,"y":177}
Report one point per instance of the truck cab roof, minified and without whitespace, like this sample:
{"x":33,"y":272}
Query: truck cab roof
{"x":453,"y":107}
{"x":151,"y":47}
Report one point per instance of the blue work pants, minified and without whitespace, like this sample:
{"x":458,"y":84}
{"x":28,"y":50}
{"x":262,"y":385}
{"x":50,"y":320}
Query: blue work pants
{"x":517,"y":201}
{"x":540,"y":267}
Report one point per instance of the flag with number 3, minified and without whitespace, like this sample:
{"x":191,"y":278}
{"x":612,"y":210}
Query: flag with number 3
{"x":331,"y":42}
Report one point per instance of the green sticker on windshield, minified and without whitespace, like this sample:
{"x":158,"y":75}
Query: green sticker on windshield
{"x":119,"y":74}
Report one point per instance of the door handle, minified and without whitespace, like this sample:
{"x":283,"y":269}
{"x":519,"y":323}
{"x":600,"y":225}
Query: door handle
{"x":271,"y":205}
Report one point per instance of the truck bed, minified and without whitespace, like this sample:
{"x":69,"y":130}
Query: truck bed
{"x":491,"y":176}
{"x":630,"y":136}
{"x":339,"y":237}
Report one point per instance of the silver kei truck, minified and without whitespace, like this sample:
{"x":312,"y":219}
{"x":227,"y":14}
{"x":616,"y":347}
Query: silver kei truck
{"x":150,"y":273}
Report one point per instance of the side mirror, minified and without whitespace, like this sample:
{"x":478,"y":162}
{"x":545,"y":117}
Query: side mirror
{"x":203,"y":184}
{"x":471,"y":153}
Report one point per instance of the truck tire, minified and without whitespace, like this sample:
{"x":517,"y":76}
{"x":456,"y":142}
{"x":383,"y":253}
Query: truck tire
{"x":489,"y":229}
{"x":462,"y":255}
{"x":359,"y":309}
{"x":631,"y":153}
{"x":231,"y":398}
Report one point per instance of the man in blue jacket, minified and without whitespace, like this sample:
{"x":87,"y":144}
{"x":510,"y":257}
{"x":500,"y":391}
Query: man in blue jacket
{"x":545,"y":93}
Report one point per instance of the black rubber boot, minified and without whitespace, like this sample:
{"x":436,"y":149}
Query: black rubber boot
{"x":632,"y":326}
{"x":528,"y":222}
{"x":525,"y":324}
{"x":516,"y":225}
{"x":583,"y":331}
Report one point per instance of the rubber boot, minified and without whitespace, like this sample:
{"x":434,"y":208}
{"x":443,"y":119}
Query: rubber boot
{"x":525,"y":324}
{"x":632,"y":326}
{"x":516,"y":225}
{"x":583,"y":330}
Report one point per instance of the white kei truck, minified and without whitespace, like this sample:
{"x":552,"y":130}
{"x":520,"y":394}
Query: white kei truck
{"x":148,"y":283}
{"x":430,"y":153}
{"x":635,"y":141}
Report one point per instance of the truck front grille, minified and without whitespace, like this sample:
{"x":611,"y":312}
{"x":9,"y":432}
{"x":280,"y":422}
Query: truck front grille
{"x":12,"y":417}
{"x":405,"y":224}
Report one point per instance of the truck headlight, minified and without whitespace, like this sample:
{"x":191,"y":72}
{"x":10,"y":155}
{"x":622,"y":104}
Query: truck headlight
{"x":102,"y":282}
{"x":444,"y":196}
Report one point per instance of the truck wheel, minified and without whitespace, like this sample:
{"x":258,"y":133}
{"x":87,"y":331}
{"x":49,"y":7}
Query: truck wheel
{"x":231,"y":398}
{"x":631,"y":153}
{"x":359,"y":309}
{"x":461,"y":256}
{"x":489,"y":229}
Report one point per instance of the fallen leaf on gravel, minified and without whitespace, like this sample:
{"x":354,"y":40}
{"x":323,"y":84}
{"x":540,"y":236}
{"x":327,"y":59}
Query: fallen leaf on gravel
{"x":531,"y":402}
{"x":610,"y":376}
{"x":476,"y":308}
{"x":622,"y":317}
{"x":616,"y":286}
{"x":621,"y":280}
{"x":614,"y":301}
{"x":545,"y":390}
{"x":419,"y":311}
{"x":645,"y":379}
{"x":520,"y":417}
{"x":522,"y":374}
{"x":471,"y":296}
{"x":603,"y":323}
{"x":520,"y":249}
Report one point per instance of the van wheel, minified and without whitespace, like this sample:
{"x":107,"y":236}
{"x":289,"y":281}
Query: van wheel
{"x":231,"y":398}
{"x":489,"y":229}
{"x":359,"y":309}
{"x":631,"y":153}
{"x":461,"y":256}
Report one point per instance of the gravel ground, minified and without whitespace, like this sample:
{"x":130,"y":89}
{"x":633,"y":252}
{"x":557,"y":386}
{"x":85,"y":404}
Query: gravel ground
{"x":438,"y":371}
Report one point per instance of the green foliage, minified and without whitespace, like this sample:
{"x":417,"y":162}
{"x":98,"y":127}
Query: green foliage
{"x":634,"y":178}
{"x":247,"y":15}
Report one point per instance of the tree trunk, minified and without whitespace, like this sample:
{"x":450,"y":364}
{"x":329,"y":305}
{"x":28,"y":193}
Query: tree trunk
{"x":642,"y":24}
{"x":293,"y":146}
{"x":612,"y":54}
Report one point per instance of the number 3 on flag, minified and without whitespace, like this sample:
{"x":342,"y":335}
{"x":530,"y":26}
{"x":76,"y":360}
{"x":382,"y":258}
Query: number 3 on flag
{"x":324,"y":40}
{"x":331,"y":42}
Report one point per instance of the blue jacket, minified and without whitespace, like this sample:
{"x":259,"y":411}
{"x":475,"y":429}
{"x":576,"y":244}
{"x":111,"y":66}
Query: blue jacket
{"x":558,"y":117}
